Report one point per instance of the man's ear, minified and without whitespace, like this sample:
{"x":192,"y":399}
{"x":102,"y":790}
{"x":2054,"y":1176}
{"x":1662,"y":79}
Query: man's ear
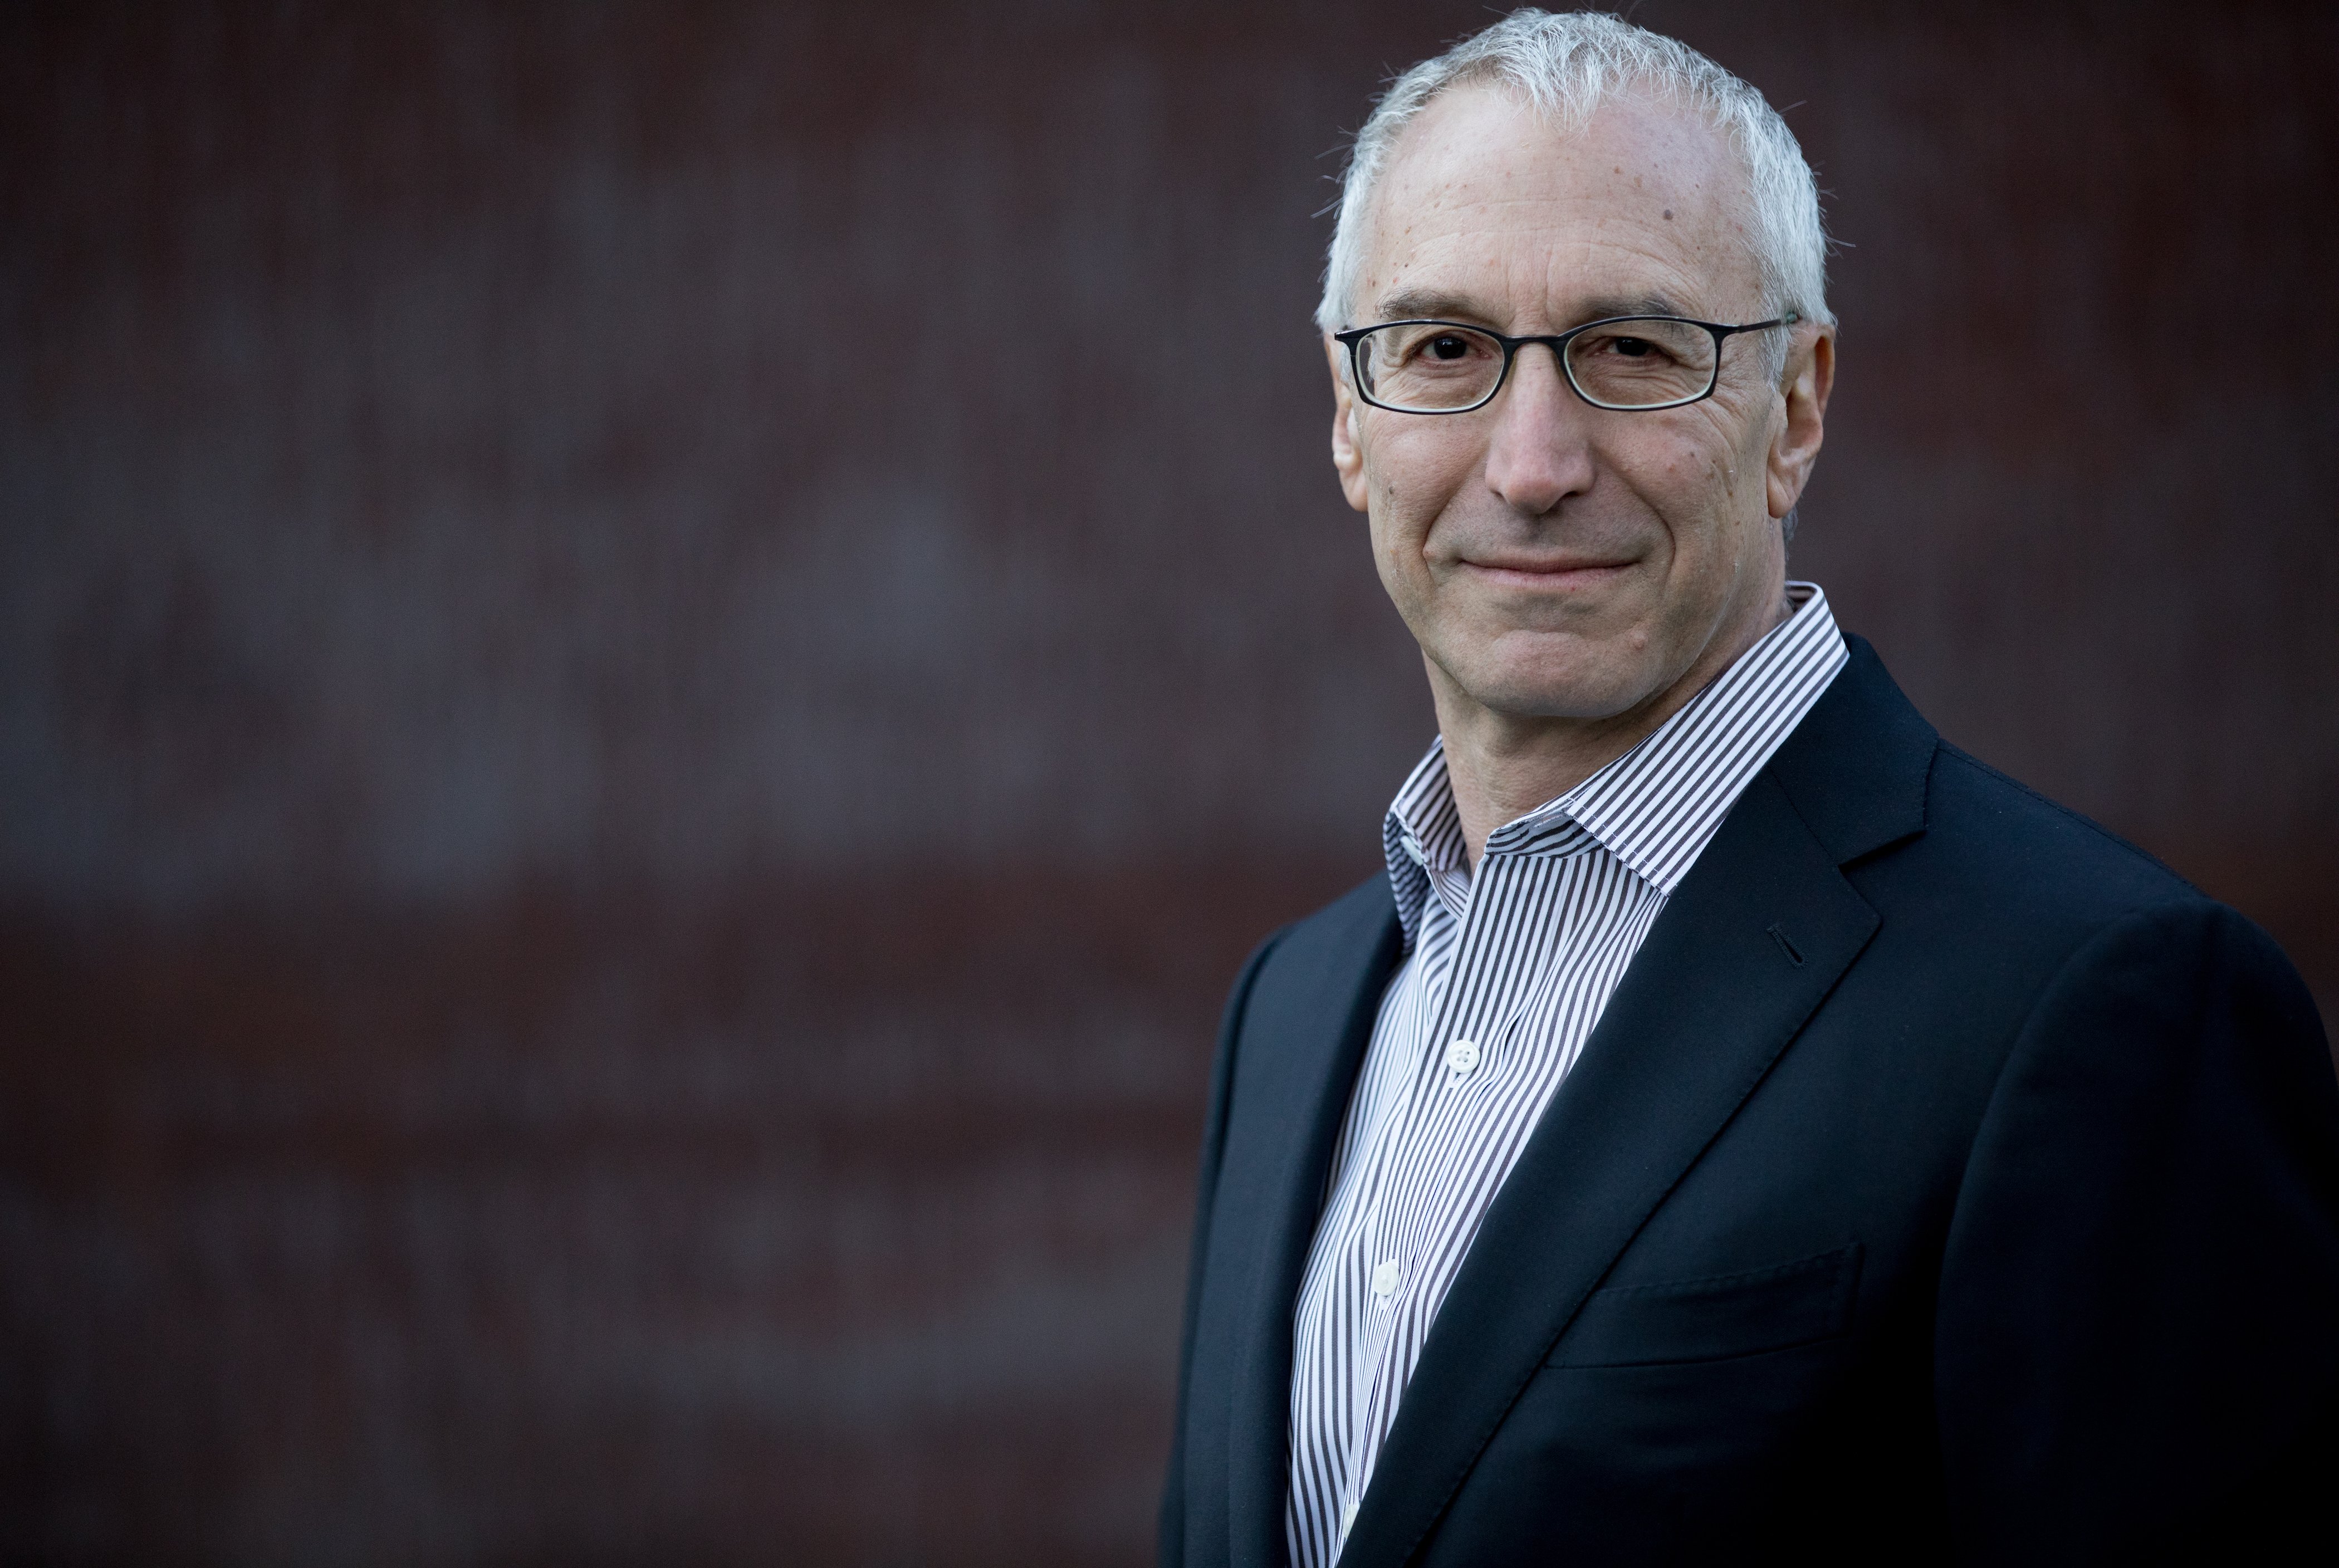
{"x":1809,"y":378}
{"x":1347,"y":457}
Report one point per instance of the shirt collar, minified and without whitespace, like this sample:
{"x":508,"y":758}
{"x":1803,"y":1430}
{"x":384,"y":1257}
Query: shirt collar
{"x":1656,"y":807}
{"x":1422,"y":834}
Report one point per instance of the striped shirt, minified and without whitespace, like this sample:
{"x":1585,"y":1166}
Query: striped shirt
{"x":1504,"y":974}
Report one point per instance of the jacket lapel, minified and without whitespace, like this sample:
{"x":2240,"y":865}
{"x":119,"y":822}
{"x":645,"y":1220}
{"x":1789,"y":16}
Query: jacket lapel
{"x":1711,"y":1000}
{"x":1318,"y":1014}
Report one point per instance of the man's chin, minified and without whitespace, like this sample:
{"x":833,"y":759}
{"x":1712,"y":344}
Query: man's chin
{"x":1588,"y":690}
{"x":1558,"y":674}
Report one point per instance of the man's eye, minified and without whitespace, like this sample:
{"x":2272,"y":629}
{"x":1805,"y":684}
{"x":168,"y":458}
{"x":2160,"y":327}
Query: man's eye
{"x":1447,"y":346}
{"x":1631,"y":347}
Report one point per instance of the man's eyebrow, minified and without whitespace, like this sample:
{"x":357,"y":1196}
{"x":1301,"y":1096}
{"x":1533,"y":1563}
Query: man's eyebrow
{"x":1412,"y":304}
{"x":1637,"y":305}
{"x":1417,"y":304}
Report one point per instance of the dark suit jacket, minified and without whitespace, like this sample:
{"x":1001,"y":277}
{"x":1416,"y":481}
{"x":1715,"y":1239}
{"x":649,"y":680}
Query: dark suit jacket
{"x":1946,"y":1180}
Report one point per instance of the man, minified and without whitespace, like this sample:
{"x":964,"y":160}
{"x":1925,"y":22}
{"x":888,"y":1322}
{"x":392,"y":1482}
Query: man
{"x":1739,"y":1124}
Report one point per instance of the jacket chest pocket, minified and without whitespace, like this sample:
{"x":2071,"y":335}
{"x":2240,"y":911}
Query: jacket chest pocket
{"x":1714,"y":1318}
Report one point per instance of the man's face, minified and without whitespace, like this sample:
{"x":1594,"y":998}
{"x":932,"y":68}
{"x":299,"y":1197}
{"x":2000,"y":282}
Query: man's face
{"x":1554,"y":559}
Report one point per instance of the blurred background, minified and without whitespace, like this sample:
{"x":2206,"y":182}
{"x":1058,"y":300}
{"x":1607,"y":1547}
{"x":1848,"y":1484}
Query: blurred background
{"x":656,"y":659}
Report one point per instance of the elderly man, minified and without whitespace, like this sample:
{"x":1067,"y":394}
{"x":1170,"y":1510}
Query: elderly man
{"x":1739,"y":1124}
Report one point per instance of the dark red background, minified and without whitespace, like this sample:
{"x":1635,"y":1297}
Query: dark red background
{"x":655,"y":659}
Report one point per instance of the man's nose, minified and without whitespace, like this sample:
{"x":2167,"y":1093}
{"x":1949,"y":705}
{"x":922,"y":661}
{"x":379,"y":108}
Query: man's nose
{"x":1540,"y":452}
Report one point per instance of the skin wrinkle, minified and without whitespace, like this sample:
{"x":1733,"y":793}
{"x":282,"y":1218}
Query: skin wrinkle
{"x":1574,"y":576}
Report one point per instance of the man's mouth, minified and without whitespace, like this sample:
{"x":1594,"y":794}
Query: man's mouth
{"x":1561,"y":573}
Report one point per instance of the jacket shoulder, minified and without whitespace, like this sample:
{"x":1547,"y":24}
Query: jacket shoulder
{"x":1930,"y":827}
{"x":2041,"y":853}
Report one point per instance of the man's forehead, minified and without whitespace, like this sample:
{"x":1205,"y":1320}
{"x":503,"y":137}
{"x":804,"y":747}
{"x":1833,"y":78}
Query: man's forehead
{"x":1483,"y":137}
{"x":1640,"y":204}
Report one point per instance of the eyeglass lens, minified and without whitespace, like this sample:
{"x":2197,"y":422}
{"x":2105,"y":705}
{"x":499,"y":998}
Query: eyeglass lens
{"x":1437,"y":368}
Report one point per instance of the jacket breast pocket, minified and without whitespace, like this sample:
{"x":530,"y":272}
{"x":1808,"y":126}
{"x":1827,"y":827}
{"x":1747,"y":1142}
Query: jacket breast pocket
{"x":1714,"y":1318}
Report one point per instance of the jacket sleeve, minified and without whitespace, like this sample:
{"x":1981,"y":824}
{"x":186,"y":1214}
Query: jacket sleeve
{"x":1172,"y":1535}
{"x":2138,"y":1338}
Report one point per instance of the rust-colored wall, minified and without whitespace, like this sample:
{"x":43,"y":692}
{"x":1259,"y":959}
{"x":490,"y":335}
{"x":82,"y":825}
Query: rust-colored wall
{"x":655,"y":660}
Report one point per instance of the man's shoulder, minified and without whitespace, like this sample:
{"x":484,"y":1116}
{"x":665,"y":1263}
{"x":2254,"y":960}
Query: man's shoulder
{"x":2005,"y":889}
{"x":2037,"y":854}
{"x":1906,"y":811}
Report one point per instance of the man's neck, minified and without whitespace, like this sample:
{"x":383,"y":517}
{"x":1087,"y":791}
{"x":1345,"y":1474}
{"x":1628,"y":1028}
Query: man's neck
{"x":1502,"y":765}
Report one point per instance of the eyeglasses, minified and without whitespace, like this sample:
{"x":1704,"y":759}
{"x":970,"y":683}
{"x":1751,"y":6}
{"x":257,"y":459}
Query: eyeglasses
{"x":1630,"y":362}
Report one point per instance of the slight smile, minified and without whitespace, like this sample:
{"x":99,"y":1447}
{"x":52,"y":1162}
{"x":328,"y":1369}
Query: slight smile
{"x":1545,"y":576}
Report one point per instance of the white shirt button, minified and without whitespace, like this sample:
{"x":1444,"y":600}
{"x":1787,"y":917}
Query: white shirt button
{"x":1462,"y":1057}
{"x":1413,"y":852}
{"x":1348,"y":1517}
{"x":1385,"y":1281}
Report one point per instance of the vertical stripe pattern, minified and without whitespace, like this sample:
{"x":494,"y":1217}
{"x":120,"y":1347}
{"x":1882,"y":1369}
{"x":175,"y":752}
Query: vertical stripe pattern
{"x":1506,"y":973}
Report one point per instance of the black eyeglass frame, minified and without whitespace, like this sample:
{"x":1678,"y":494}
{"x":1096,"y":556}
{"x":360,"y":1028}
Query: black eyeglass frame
{"x":1353,"y":338}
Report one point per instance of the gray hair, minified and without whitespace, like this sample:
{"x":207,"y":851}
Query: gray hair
{"x":1567,"y":65}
